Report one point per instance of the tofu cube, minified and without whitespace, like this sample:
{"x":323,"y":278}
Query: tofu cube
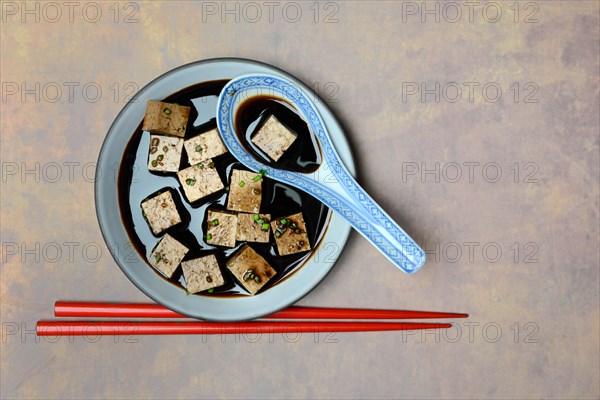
{"x":167,"y":255}
{"x":250,"y":269}
{"x":245,"y":191}
{"x":222,"y":227}
{"x":165,"y":153}
{"x":200,"y":180}
{"x":253,"y":227}
{"x":273,"y":138}
{"x":204,"y":146}
{"x":202,"y":273}
{"x":166,"y":118}
{"x":161,"y":212}
{"x":290,"y":234}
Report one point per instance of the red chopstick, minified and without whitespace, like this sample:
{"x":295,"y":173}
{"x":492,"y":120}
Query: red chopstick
{"x":133,"y":310}
{"x":96,"y":328}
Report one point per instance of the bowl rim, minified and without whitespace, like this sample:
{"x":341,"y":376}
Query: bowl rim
{"x":188,"y":305}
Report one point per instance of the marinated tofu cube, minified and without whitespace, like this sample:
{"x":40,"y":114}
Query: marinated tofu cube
{"x":202,"y":273}
{"x":165,"y":153}
{"x":245,"y":190}
{"x":166,"y":118}
{"x":290,"y":234}
{"x":200,"y":180}
{"x":167,"y":255}
{"x":253,"y":227}
{"x":273,"y":138}
{"x":204,"y":146}
{"x":222,"y":227}
{"x":250,"y":269}
{"x":161,"y":212}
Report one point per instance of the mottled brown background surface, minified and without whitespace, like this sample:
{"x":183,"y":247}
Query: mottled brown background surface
{"x":534,"y":328}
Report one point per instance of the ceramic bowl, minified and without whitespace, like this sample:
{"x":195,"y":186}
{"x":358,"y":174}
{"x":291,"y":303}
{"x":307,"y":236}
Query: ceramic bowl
{"x":146,"y":278}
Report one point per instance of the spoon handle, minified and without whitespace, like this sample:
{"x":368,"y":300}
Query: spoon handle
{"x":345,"y":196}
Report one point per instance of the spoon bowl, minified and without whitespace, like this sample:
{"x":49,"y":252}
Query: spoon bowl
{"x":336,"y":188}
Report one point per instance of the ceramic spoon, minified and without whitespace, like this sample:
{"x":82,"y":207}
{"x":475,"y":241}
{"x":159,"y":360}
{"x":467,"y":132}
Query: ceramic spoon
{"x":342,"y":193}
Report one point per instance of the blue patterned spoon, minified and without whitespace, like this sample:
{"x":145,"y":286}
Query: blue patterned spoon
{"x":342,"y":194}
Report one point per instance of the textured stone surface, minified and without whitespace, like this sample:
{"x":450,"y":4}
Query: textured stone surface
{"x":360,"y":66}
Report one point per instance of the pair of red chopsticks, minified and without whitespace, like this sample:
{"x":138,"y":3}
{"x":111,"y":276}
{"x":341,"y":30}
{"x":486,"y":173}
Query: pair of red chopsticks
{"x":110,"y":310}
{"x":113,"y":310}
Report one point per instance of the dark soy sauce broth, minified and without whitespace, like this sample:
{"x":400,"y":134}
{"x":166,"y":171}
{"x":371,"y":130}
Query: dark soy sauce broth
{"x":303,"y":155}
{"x":136,"y":183}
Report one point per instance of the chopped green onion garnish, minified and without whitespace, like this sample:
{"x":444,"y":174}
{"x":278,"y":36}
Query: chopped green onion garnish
{"x":211,"y":290}
{"x":284,"y":221}
{"x":190,"y":182}
{"x":165,"y":149}
{"x":242,"y":183}
{"x":260,"y":221}
{"x":154,"y":163}
{"x":167,"y":111}
{"x":293,"y":225}
{"x":157,"y":257}
{"x":263,"y":172}
{"x":208,"y":236}
{"x":297,"y":230}
{"x":256,"y":279}
{"x":201,"y":166}
{"x":198,"y":148}
{"x":215,"y":222}
{"x":256,"y":217}
{"x":265,"y":226}
{"x":160,"y":157}
{"x":257,"y":178}
{"x":211,"y":164}
{"x":248,"y":275}
{"x":277,"y":233}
